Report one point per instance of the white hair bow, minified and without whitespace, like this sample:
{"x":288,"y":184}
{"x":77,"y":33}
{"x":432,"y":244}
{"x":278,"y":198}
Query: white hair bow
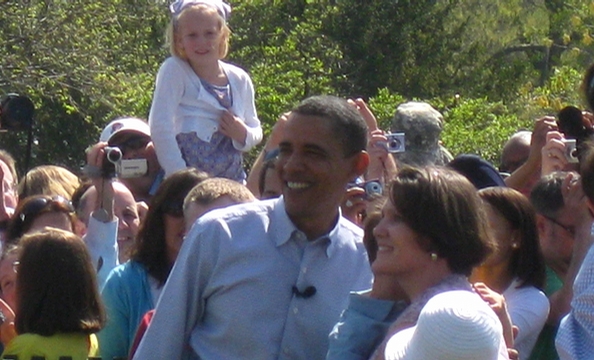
{"x":222,"y":8}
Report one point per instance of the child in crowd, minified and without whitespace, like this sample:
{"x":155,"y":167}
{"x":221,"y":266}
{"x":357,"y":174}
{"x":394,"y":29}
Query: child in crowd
{"x":203,"y":113}
{"x":58,"y":307}
{"x":210,"y":194}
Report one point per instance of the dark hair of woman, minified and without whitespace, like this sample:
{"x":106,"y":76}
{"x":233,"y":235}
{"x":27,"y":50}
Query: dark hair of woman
{"x":56,"y":291}
{"x":31,"y":208}
{"x":150,"y":248}
{"x":527,"y":262}
{"x":443,"y":207}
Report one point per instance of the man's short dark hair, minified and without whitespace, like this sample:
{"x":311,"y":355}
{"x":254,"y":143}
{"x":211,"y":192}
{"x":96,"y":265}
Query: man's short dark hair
{"x":546,"y":196}
{"x":347,"y":124}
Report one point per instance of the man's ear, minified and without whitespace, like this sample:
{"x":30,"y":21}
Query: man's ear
{"x":360,"y":163}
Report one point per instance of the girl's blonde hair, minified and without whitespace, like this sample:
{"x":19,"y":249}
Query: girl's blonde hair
{"x":173,"y":27}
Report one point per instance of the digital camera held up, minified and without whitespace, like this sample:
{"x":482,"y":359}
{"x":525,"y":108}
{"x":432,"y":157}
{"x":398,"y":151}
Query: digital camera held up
{"x":115,"y":166}
{"x":16,"y":113}
{"x":395,"y":143}
{"x":373,"y":188}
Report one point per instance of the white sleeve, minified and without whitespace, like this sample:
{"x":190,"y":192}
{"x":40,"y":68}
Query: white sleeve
{"x":169,"y":89}
{"x":250,"y":117}
{"x":102,"y":242}
{"x":528,"y":309}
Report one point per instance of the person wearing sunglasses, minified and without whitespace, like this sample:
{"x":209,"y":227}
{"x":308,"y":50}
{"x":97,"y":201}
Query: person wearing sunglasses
{"x":557,"y":223}
{"x":132,"y":136}
{"x":37,"y":212}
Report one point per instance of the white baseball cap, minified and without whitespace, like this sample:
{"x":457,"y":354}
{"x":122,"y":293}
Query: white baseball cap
{"x":130,"y":124}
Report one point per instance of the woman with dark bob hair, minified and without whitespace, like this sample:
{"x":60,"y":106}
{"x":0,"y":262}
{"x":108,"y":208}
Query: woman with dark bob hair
{"x":58,"y":305}
{"x":516,"y":269}
{"x":132,"y":289}
{"x":431,"y":235}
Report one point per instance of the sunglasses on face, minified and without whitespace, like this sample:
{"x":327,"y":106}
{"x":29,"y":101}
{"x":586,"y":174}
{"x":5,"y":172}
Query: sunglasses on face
{"x":133,"y":143}
{"x":569,"y":229}
{"x":36,"y":206}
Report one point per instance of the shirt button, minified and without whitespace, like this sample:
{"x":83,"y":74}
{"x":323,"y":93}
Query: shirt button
{"x":286,"y":351}
{"x":295,"y":310}
{"x":303,"y":270}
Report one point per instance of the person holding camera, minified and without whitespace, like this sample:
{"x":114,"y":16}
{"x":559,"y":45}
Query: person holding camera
{"x":112,"y":212}
{"x":142,"y":172}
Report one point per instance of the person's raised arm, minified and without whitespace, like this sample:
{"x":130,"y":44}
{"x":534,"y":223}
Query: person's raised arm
{"x":520,"y":178}
{"x":271,"y":144}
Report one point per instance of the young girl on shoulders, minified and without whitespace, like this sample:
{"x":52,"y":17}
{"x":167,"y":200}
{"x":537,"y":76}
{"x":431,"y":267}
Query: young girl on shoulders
{"x":203,"y":113}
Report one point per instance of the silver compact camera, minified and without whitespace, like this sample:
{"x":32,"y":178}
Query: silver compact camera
{"x":570,"y":150}
{"x":373,"y":189}
{"x":395,"y":143}
{"x":115,"y":166}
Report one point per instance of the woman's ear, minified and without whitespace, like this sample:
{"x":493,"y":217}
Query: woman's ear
{"x":516,"y":239}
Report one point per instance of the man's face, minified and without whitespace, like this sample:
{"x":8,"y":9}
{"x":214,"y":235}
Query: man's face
{"x":313,"y":169}
{"x":556,"y":239}
{"x":138,"y":146}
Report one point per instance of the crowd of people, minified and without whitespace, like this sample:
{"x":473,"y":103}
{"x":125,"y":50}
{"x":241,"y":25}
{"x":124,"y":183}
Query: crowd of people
{"x":342,"y":241}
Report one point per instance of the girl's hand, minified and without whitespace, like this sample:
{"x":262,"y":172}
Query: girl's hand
{"x":233,"y":127}
{"x":7,"y":330}
{"x":497,"y":302}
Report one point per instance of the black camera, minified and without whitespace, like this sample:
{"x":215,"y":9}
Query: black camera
{"x":115,"y":166}
{"x":16,"y":113}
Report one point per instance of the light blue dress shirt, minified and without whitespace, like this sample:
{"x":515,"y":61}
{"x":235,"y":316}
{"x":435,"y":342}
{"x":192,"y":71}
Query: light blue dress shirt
{"x":229,"y":295}
{"x":575,"y":337}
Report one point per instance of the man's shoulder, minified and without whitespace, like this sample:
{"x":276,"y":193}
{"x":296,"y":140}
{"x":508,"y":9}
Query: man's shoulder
{"x":349,"y":227}
{"x":240,"y":212}
{"x":245,"y":217}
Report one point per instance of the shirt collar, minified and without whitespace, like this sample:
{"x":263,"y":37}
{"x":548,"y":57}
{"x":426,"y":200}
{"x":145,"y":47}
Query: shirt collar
{"x":284,"y":230}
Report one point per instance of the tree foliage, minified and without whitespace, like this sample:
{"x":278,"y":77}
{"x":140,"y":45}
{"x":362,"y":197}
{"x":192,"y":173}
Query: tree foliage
{"x":86,"y":62}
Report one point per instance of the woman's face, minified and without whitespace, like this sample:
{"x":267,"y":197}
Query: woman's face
{"x":8,"y":280}
{"x":174,"y":235}
{"x":503,"y":234}
{"x":399,"y":252}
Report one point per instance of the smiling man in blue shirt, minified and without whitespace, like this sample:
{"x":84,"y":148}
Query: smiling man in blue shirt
{"x":268,"y":280}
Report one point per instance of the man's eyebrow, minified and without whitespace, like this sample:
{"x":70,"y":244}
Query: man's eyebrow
{"x":316,"y":148}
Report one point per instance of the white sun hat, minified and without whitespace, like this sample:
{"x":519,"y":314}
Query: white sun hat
{"x":454,"y":325}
